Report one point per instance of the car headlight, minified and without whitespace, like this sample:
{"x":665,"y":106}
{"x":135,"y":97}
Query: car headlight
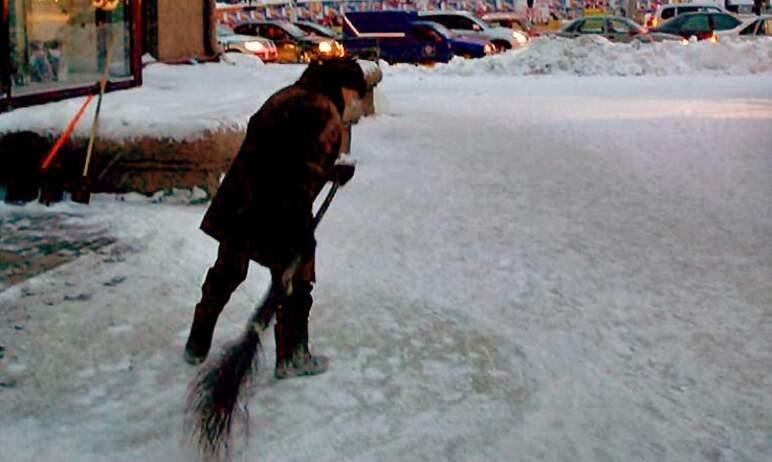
{"x":325,"y":47}
{"x":254,"y":46}
{"x":519,"y":37}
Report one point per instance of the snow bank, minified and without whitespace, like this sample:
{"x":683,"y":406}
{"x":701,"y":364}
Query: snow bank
{"x":594,"y":55}
{"x":178,"y":102}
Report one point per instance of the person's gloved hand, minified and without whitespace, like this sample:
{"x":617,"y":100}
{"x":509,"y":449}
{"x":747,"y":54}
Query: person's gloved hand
{"x":343,"y":172}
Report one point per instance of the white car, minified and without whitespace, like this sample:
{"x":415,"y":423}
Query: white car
{"x":258,"y":46}
{"x":666,"y":12}
{"x":757,"y":26}
{"x":466,"y":24}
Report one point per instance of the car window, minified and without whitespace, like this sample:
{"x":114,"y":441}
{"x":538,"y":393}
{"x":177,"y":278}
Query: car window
{"x":460,"y":22}
{"x":724,"y":21}
{"x":696,"y":23}
{"x":592,"y":26}
{"x":246,"y":29}
{"x":426,"y":34}
{"x":750,"y":29}
{"x":618,"y":27}
{"x":672,"y":25}
{"x":447,"y":21}
{"x":572,"y":26}
{"x":688,"y":9}
{"x":668,"y":13}
{"x":273,"y":32}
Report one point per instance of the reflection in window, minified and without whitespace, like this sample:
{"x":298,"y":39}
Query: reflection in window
{"x":618,"y":27}
{"x":697,"y":23}
{"x":592,"y":26}
{"x":63,"y":43}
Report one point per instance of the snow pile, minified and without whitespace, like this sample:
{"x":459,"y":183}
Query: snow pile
{"x":178,"y":102}
{"x":595,"y":55}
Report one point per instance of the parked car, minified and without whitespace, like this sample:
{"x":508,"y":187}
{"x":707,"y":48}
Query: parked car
{"x":465,"y":23}
{"x":700,"y":25}
{"x":317,"y":29}
{"x":758,"y":26}
{"x":666,"y":12}
{"x":293,"y":44}
{"x":261,"y":47}
{"x":463,"y":45}
{"x":614,"y":28}
{"x":401,"y":37}
{"x":510,"y":21}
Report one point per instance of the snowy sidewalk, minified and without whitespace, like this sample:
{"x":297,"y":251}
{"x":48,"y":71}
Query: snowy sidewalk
{"x":523,"y":269}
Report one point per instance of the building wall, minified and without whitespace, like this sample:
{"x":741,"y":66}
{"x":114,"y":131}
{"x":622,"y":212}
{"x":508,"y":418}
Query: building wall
{"x":180,"y":29}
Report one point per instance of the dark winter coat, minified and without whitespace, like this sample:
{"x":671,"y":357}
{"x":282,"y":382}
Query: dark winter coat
{"x":264,"y":204}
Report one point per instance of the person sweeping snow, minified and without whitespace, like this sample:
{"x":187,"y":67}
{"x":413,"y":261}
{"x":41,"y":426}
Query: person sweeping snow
{"x":263,"y":209}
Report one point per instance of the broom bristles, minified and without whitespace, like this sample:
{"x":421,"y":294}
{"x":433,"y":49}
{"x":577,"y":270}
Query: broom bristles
{"x":214,"y":395}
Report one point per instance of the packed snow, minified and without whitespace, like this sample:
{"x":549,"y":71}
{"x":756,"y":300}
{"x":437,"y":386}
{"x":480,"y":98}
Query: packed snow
{"x":523,"y":268}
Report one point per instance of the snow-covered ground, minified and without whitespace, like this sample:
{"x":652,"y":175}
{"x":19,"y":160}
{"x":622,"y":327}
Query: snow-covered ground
{"x":178,"y":102}
{"x":523,"y":269}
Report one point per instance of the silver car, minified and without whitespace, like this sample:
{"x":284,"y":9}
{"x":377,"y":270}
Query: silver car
{"x":261,"y":47}
{"x":758,"y":26}
{"x":466,"y":24}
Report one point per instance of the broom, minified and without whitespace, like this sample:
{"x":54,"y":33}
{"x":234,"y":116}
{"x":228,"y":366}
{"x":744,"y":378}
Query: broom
{"x":214,"y":395}
{"x":82,"y":191}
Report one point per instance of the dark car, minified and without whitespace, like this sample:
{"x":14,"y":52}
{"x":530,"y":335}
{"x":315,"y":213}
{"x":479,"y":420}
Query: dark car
{"x":317,"y":29}
{"x":462,"y":45}
{"x":700,"y":25}
{"x":401,"y":37}
{"x":293,"y":44}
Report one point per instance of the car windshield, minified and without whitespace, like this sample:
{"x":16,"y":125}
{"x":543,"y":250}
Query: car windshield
{"x":293,"y":30}
{"x":572,"y":25}
{"x":313,"y":28}
{"x":442,"y":30}
{"x":483,"y":25}
{"x":222,"y":30}
{"x":671,"y":25}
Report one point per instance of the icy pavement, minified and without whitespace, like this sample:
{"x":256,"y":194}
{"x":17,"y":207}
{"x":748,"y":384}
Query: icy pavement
{"x":523,"y":269}
{"x":32,"y":243}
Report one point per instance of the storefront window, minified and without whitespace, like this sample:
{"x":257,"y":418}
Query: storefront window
{"x":60,"y":44}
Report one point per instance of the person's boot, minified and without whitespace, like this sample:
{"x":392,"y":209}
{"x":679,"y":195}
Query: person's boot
{"x":200,"y":337}
{"x":293,"y":357}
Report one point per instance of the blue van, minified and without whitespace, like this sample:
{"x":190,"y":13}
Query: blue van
{"x":401,"y":37}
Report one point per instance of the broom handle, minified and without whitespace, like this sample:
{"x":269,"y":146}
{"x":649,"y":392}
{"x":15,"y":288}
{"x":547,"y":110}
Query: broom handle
{"x":95,"y":123}
{"x":265,"y":311}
